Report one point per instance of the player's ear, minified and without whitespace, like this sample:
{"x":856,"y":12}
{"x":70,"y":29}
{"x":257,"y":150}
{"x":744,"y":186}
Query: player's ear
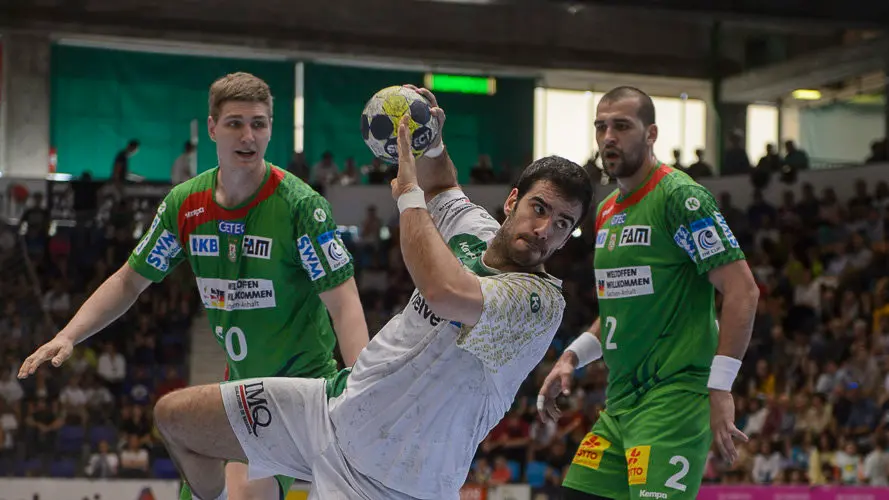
{"x":509,"y":204}
{"x":211,"y":128}
{"x":652,"y":134}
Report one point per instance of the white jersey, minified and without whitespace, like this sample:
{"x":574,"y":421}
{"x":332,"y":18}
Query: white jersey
{"x":426,"y":390}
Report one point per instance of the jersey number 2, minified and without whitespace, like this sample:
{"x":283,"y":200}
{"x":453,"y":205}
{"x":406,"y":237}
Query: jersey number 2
{"x":673,"y":482}
{"x":232,"y":336}
{"x":610,"y":325}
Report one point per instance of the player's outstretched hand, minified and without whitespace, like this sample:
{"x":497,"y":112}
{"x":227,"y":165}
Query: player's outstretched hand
{"x":58,"y":350}
{"x":437,"y":112}
{"x":407,"y":166}
{"x":722,"y":423}
{"x":557,"y":382}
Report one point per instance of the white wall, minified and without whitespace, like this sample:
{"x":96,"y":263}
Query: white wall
{"x":841,"y":133}
{"x":563,"y":125}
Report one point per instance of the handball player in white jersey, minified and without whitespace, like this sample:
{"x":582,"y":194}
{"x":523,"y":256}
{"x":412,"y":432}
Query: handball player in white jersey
{"x":435,"y":380}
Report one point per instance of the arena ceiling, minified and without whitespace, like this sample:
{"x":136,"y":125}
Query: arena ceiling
{"x":653,"y":37}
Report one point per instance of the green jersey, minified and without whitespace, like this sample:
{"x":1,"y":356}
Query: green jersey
{"x":259,"y":268}
{"x":654,"y":248}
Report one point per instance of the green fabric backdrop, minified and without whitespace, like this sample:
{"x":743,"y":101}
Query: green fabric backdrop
{"x":501,"y":125}
{"x":100,"y":99}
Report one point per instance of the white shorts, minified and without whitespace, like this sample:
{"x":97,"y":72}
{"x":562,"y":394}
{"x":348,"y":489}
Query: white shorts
{"x":284,"y":427}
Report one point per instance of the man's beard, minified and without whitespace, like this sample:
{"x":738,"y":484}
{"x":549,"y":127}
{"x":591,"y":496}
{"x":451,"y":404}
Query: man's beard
{"x":627,"y":166}
{"x":505,"y":242}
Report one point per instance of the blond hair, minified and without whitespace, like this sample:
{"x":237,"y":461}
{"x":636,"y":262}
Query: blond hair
{"x":242,"y":87}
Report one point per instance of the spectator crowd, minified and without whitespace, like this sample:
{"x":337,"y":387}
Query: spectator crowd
{"x":813,"y":394}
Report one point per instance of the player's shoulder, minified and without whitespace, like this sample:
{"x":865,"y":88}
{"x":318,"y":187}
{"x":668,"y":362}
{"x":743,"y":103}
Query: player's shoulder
{"x":291,"y":188}
{"x":679,"y":187}
{"x":608,"y":199}
{"x":538,"y":288}
{"x":201,"y":183}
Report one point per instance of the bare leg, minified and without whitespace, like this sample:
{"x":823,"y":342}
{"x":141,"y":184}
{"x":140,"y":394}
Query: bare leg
{"x":198,"y":436}
{"x":239,"y":488}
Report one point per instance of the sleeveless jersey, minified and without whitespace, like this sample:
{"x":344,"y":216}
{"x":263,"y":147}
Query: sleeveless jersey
{"x":654,"y":248}
{"x":259,"y":268}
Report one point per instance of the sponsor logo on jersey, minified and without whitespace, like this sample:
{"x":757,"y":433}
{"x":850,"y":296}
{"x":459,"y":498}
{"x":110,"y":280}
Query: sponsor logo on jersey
{"x":147,"y":237}
{"x":236,"y":295}
{"x":591,"y":451}
{"x":309,"y":258}
{"x":729,"y":235}
{"x":419,"y":305}
{"x":233,"y":228}
{"x":612,"y":242}
{"x":703,"y":232}
{"x":535,"y":302}
{"x":467,"y":251}
{"x":257,"y":247}
{"x":635,"y":236}
{"x":601,"y":238}
{"x":619,"y":219}
{"x":623,"y":282}
{"x":194,"y":213}
{"x":253,"y":406}
{"x":320,"y":215}
{"x":333,"y":250}
{"x":165,"y":248}
{"x":657,"y":494}
{"x":637,"y":464}
{"x":162,"y":207}
{"x":692,"y":204}
{"x":204,"y":245}
{"x":683,"y":239}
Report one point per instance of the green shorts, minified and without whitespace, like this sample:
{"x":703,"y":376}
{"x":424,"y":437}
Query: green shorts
{"x":656,"y":450}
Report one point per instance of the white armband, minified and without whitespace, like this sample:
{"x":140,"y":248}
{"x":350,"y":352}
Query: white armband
{"x":415,"y":198}
{"x":587,"y":348}
{"x":723,"y":372}
{"x":435,"y":152}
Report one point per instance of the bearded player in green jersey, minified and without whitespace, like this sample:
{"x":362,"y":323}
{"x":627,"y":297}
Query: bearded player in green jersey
{"x":266,"y":256}
{"x":662,"y":247}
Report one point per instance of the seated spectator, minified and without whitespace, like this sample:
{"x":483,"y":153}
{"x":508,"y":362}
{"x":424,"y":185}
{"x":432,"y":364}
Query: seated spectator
{"x":73,"y":399}
{"x":171,"y":382}
{"x":767,"y":464}
{"x":848,"y":461}
{"x":501,"y":474}
{"x":112,"y":368}
{"x":103,"y":463}
{"x":134,"y":459}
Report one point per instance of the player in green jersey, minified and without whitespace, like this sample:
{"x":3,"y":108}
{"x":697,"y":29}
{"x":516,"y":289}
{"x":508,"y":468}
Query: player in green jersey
{"x":267,"y":259}
{"x":662,"y":247}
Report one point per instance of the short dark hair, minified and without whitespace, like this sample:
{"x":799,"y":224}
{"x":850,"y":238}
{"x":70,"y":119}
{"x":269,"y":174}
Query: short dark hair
{"x":646,"y":106}
{"x":572,"y":180}
{"x":134,"y":143}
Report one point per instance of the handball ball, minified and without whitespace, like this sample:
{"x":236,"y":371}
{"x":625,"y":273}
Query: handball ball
{"x":380,"y":118}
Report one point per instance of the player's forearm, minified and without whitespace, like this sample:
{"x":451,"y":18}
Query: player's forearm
{"x":736,"y":323}
{"x":110,"y":301}
{"x":351,"y":333}
{"x":435,"y":175}
{"x":428,"y":259}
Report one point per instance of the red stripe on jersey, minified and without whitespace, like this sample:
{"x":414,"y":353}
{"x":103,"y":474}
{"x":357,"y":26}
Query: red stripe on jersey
{"x":212,"y":211}
{"x":612,"y":206}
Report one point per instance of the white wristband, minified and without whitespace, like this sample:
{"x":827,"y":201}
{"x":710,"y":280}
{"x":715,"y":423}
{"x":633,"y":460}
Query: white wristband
{"x":415,"y":198}
{"x":723,"y":372}
{"x":435,"y":152}
{"x":587,"y":348}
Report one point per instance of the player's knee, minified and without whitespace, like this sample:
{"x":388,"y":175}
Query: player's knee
{"x":168,"y":414}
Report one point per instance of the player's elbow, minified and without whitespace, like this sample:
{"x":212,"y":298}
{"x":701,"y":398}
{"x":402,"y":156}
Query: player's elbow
{"x":742,"y":291}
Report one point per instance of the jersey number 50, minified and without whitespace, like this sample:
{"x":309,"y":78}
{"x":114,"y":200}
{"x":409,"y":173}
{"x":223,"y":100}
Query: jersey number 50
{"x":233,"y":336}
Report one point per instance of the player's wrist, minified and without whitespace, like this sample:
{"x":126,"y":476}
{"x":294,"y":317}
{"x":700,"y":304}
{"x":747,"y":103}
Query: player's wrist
{"x":586,"y":348}
{"x":412,"y":198}
{"x":435,"y":151}
{"x":723,"y":372}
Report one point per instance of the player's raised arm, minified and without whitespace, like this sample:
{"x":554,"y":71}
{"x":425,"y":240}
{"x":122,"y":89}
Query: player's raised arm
{"x":435,"y":170}
{"x":450,"y":290}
